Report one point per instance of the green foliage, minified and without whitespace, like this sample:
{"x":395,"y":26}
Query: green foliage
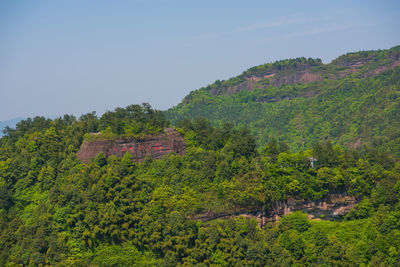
{"x":123,"y":255}
{"x":114,"y":212}
{"x":100,"y":160}
{"x":296,"y":220}
{"x":134,"y":121}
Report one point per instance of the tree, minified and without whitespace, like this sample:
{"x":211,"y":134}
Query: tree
{"x":100,"y":159}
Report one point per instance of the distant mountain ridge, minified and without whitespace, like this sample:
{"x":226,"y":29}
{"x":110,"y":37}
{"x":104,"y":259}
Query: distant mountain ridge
{"x":353,"y":100}
{"x":306,"y":70}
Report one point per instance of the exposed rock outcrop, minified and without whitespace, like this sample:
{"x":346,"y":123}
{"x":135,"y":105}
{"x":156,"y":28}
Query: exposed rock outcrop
{"x":304,"y":71}
{"x":297,"y":77}
{"x":332,"y":207}
{"x":154,"y":146}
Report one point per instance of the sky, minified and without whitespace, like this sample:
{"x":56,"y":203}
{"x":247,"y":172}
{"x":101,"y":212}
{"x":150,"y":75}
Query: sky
{"x":75,"y":57}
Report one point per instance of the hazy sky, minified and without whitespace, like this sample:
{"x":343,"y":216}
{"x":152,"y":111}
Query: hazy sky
{"x":74,"y":57}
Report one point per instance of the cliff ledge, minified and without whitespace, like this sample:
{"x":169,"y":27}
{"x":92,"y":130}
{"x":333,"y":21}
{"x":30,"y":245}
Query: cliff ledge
{"x":154,"y":146}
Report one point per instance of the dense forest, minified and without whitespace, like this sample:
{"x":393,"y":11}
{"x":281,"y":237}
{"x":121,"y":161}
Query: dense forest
{"x":56,"y":210}
{"x":353,"y":101}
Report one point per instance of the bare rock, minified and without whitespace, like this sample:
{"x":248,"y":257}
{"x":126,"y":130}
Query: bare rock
{"x":154,"y":146}
{"x":332,"y":207}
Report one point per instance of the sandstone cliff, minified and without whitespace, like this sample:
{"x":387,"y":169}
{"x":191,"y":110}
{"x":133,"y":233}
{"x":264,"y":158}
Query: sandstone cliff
{"x":332,"y":207}
{"x":154,"y":146}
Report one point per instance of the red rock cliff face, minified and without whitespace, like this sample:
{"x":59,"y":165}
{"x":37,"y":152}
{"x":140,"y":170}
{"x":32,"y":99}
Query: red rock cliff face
{"x":153,"y":146}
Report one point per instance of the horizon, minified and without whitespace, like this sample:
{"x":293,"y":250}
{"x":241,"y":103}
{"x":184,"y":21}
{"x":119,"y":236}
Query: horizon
{"x":75,"y":58}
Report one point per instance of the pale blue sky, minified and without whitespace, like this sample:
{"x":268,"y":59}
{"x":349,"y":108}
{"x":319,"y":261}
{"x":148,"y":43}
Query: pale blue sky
{"x":74,"y":57}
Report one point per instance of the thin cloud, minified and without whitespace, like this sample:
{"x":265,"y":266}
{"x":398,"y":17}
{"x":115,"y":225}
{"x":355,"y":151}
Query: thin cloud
{"x":326,"y":29}
{"x":318,"y":30}
{"x":282,"y":21}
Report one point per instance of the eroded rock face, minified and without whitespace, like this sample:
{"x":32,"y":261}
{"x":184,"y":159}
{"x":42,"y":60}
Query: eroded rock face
{"x":298,"y":77}
{"x":333,"y":207}
{"x":304,"y":73}
{"x":153,"y":146}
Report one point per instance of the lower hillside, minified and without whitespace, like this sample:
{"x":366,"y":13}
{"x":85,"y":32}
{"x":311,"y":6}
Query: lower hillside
{"x":56,"y":210}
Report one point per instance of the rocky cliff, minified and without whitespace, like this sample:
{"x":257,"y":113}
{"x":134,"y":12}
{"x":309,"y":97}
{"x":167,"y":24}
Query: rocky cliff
{"x":154,"y":146}
{"x":304,"y":71}
{"x":332,"y":207}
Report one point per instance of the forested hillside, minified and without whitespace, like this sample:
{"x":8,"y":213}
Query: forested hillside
{"x":57,"y":210}
{"x":352,"y":101}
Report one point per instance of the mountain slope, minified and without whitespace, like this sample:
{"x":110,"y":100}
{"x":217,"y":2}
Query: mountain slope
{"x":354,"y":100}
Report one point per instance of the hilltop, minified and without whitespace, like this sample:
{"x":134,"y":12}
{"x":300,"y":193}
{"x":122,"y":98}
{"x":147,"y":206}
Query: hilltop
{"x":352,"y":101}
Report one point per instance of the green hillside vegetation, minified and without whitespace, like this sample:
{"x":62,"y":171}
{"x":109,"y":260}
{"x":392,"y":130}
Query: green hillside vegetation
{"x":353,"y":101}
{"x":134,"y":121}
{"x":56,"y":210}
